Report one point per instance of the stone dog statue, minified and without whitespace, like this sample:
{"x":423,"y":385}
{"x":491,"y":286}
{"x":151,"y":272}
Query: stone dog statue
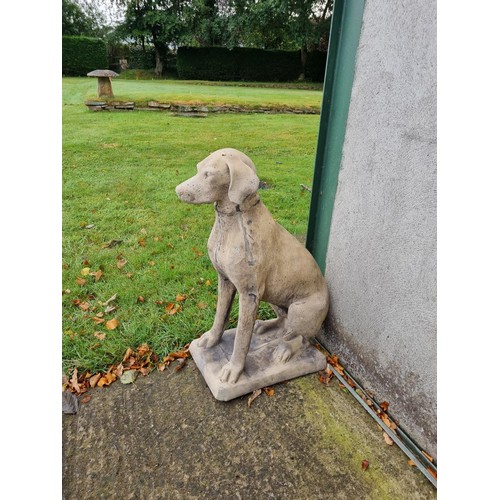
{"x":259,"y":259}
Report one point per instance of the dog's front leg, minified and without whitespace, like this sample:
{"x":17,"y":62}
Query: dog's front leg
{"x":224,"y":301}
{"x":249,"y":304}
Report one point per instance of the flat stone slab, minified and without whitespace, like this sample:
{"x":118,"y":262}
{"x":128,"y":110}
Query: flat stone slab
{"x":261,"y":370}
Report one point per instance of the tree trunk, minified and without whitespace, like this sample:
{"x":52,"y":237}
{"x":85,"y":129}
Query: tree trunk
{"x":159,"y":62}
{"x":303,"y":62}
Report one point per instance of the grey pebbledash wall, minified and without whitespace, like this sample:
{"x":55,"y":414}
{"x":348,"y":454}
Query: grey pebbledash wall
{"x":381,"y":260}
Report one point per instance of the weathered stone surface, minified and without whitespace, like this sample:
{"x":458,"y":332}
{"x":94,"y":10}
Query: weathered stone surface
{"x":261,"y":370}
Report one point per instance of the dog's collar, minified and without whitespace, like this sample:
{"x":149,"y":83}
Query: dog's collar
{"x":237,"y":208}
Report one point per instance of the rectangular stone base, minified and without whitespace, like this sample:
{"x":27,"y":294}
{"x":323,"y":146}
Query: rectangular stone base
{"x":261,"y":370}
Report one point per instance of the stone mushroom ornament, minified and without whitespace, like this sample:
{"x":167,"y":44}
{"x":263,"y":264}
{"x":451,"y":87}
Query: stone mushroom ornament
{"x":103,"y":81}
{"x":256,"y":257}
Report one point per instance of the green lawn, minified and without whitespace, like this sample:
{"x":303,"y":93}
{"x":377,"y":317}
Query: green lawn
{"x":177,"y":91}
{"x":119,"y":174}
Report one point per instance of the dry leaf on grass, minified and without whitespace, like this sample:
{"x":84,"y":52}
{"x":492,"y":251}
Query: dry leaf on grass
{"x":100,"y":335}
{"x":97,"y":275}
{"x":84,"y":306}
{"x":172,"y":308}
{"x":121,"y":263}
{"x":81,"y":281}
{"x":85,"y":271}
{"x":180,"y":298}
{"x":112,"y":324}
{"x":365,"y":464}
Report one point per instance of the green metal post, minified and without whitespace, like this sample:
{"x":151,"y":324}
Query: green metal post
{"x":344,"y":38}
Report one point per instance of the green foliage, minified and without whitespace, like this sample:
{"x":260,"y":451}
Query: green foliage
{"x":81,"y":54}
{"x":219,"y":63}
{"x":82,"y":19}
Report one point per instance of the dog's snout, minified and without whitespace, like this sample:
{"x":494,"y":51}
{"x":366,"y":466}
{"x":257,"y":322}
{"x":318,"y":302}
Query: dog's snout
{"x":183,"y":193}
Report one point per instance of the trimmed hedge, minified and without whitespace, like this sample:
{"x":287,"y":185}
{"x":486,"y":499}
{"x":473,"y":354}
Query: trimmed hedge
{"x":219,"y":63}
{"x":316,"y":66}
{"x":82,"y":54}
{"x":248,"y":64}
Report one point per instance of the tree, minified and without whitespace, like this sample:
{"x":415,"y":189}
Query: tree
{"x":159,"y":22}
{"x":75,"y":21}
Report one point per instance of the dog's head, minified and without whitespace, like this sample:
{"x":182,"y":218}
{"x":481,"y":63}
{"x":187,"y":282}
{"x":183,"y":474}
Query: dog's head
{"x":225,"y":173}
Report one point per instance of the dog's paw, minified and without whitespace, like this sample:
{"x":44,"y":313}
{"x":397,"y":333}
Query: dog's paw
{"x":282,"y":353}
{"x":230,"y":373}
{"x":208,"y":340}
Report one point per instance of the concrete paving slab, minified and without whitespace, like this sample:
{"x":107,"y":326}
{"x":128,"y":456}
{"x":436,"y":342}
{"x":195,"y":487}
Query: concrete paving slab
{"x":166,"y":437}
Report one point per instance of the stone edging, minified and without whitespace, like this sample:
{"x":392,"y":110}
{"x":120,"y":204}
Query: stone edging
{"x":191,"y":110}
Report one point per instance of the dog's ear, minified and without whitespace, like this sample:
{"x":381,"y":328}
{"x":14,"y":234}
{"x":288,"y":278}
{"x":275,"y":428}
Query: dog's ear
{"x":244,"y":181}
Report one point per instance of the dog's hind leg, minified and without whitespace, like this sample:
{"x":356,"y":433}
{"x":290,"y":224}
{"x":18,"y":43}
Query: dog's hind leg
{"x":224,"y":300}
{"x":277,"y":323}
{"x":302,"y":323}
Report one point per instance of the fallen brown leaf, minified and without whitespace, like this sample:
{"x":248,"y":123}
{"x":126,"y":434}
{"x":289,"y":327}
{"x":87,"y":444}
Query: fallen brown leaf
{"x":365,"y":464}
{"x":86,"y":398}
{"x":112,"y":243}
{"x":202,"y":305}
{"x":80,"y":281}
{"x":411,"y":463}
{"x":112,"y":324}
{"x":142,"y":242}
{"x":255,"y":394}
{"x":85,"y":271}
{"x":432,"y":472}
{"x":140,"y":299}
{"x":73,"y":383}
{"x":180,"y":365}
{"x":143,"y":349}
{"x":97,"y":275}
{"x":121,"y":263}
{"x":98,"y":320}
{"x":128,"y":353}
{"x":427,"y":456}
{"x":100,"y":335}
{"x":387,"y":439}
{"x":84,"y":306}
{"x":180,"y":298}
{"x":94,"y":379}
{"x":384,"y":405}
{"x":270,"y":391}
{"x":173,"y":308}
{"x":178,"y":354}
{"x":106,"y":379}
